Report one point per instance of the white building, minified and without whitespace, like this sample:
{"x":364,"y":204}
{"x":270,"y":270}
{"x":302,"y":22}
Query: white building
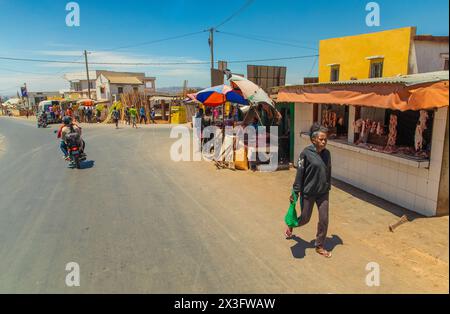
{"x":79,"y":86}
{"x":122,"y":82}
{"x":110,"y":85}
{"x":36,"y":97}
{"x":428,"y":54}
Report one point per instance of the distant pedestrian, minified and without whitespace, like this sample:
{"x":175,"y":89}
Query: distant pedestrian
{"x":127,"y":115}
{"x":69,"y":112}
{"x":153,"y":115}
{"x":115,"y":116}
{"x":133,"y":115}
{"x":89,"y":114}
{"x":215,"y":114}
{"x":76,"y":115}
{"x":313,"y":184}
{"x":98,"y":114}
{"x":142,"y":115}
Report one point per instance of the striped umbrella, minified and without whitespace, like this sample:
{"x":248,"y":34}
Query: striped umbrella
{"x":219,"y":95}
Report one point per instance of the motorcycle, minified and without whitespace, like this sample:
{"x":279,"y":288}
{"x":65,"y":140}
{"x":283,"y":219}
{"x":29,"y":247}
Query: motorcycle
{"x":75,"y":155}
{"x":42,"y":123}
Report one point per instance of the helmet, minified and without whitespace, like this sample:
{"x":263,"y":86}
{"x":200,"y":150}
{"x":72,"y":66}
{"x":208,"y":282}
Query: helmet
{"x":67,"y":120}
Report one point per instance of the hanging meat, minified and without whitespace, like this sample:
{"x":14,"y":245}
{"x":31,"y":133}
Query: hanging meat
{"x":373,"y":127}
{"x":358,"y":124}
{"x":392,"y":137}
{"x":380,"y":129}
{"x":325,"y":118}
{"x":421,"y":127}
{"x":333,"y":119}
{"x":365,"y":130}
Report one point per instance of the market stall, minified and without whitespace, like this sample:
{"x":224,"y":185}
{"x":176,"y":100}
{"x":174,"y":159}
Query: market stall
{"x":386,"y":134}
{"x":244,"y":104}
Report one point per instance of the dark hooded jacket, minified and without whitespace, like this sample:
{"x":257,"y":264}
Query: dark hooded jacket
{"x":313,"y":173}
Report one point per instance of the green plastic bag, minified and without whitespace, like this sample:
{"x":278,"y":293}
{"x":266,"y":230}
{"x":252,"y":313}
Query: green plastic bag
{"x":291,"y":218}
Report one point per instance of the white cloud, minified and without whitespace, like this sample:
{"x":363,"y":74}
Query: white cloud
{"x":166,"y":75}
{"x":12,"y":83}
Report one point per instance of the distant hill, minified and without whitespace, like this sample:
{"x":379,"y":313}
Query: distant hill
{"x":173,"y":90}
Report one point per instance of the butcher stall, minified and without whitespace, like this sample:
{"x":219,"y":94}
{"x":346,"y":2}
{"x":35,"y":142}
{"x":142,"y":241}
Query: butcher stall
{"x":387,"y":136}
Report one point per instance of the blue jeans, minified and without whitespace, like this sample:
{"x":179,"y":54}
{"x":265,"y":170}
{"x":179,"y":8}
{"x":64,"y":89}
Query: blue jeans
{"x":63,"y":147}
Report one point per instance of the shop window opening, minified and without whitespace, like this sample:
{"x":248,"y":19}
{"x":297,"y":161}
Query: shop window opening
{"x":389,"y":131}
{"x":335,"y":118}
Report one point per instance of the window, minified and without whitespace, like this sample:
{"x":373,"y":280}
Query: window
{"x":334,"y":77}
{"x":76,"y":86}
{"x":120,"y":90}
{"x":135,"y":89}
{"x":335,"y":118}
{"x":370,"y":126}
{"x":102,"y":90}
{"x":446,"y":64}
{"x":376,"y":69}
{"x":406,"y":128}
{"x":91,"y":84}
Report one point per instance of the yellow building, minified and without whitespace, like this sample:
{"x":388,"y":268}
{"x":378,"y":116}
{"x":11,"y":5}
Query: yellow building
{"x":381,"y":54}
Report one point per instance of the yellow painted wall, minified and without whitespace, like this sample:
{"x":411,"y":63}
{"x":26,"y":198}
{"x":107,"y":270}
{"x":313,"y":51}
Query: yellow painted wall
{"x":351,"y":53}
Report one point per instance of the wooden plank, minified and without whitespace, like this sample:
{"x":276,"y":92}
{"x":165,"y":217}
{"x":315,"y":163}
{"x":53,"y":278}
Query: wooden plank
{"x":271,"y":72}
{"x":250,"y":71}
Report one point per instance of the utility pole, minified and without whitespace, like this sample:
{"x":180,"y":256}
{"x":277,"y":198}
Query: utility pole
{"x":185,"y":84}
{"x":87,"y":74}
{"x":211,"y":46}
{"x":28,"y":98}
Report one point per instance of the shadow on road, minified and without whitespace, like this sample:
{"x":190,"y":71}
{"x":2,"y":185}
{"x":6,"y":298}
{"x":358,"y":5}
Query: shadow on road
{"x":299,"y":249}
{"x":87,"y":164}
{"x":376,"y":201}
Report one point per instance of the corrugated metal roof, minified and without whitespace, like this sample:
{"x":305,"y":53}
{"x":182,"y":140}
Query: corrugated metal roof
{"x":406,"y":80}
{"x":132,"y":80}
{"x":80,"y":76}
{"x":441,"y":39}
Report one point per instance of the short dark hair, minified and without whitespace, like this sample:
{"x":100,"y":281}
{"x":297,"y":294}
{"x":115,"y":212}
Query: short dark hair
{"x":317,"y":128}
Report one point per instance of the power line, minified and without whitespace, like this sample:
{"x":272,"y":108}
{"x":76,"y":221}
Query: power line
{"x":153,"y":41}
{"x":314,"y":64}
{"x":8,"y":89}
{"x":67,"y":68}
{"x":24,"y":72}
{"x":241,"y":9}
{"x":152,"y":63}
{"x":279,"y":39}
{"x":274,"y":59}
{"x":266,"y":40}
{"x":48,"y":74}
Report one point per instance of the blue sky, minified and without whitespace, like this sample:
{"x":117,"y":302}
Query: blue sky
{"x":37,"y":29}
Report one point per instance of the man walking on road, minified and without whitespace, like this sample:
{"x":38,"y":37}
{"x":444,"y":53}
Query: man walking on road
{"x":142,"y":115}
{"x":152,"y":115}
{"x":133,"y":115}
{"x":313,"y":183}
{"x":127,"y":115}
{"x":115,"y":116}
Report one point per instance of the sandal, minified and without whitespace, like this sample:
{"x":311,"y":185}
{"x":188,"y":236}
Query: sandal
{"x":288,"y":233}
{"x":323,"y":252}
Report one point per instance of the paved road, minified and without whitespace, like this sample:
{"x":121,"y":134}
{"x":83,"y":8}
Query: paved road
{"x":137,"y":222}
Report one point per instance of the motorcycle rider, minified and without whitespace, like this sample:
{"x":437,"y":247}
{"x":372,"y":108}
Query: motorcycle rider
{"x":69,"y":127}
{"x":42,"y":118}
